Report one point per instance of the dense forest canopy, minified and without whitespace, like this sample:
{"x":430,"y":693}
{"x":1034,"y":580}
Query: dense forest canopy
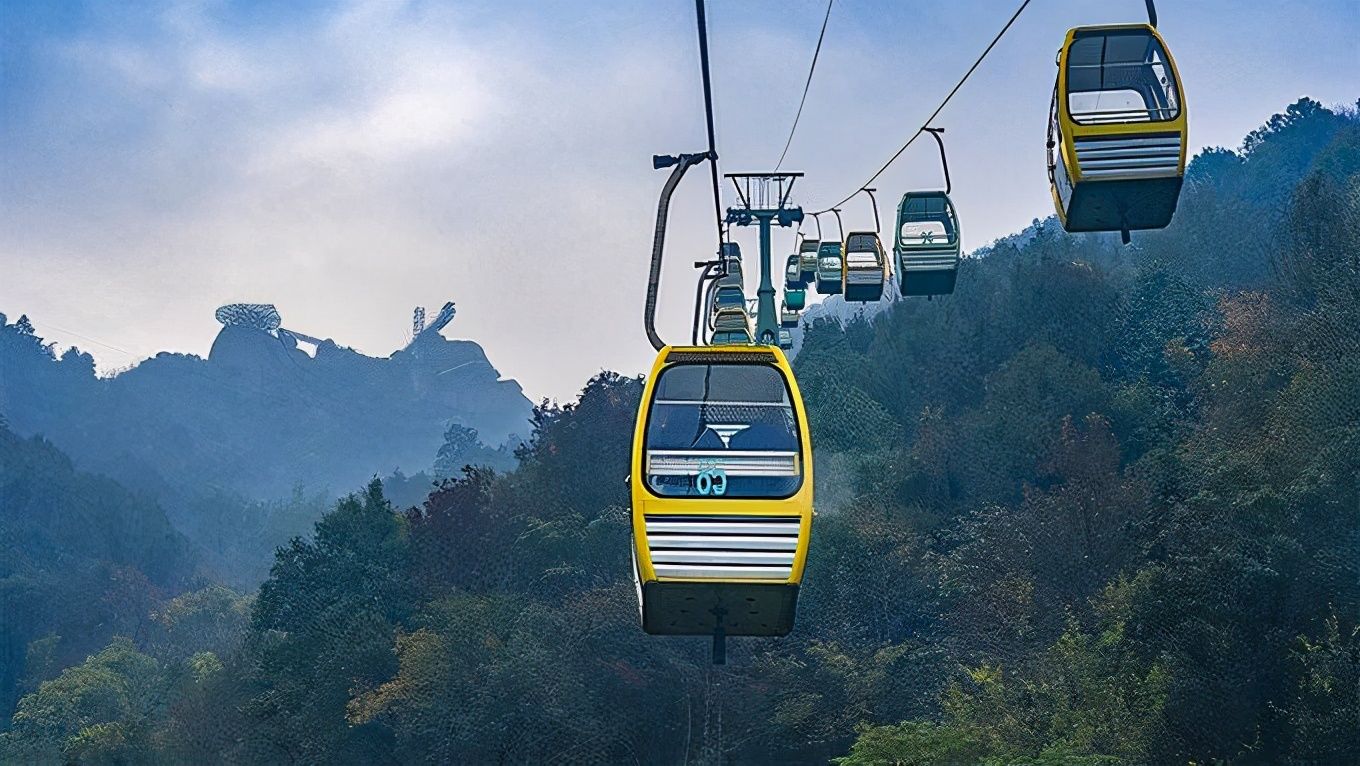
{"x":1102,"y":505}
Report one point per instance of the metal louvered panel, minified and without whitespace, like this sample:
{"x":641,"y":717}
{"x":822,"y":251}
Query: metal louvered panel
{"x":733,"y":462}
{"x":723,"y":547}
{"x":918,"y":259}
{"x":721,"y":557}
{"x":732,"y":542}
{"x":708,"y":357}
{"x":721,"y":525}
{"x":686,"y":572}
{"x":867,"y":275}
{"x":1155,"y":156}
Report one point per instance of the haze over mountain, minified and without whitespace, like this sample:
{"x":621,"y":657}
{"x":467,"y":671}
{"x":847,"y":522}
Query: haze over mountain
{"x":258,"y":417}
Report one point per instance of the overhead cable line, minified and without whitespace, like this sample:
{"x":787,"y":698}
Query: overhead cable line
{"x":109,"y":346}
{"x":815,"y":53}
{"x":937,"y":111}
{"x":708,"y":110}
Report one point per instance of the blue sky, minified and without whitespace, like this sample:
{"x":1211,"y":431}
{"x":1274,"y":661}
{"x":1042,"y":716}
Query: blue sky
{"x":349,"y":161}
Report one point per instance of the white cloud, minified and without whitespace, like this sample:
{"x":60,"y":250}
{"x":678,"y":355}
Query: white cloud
{"x":351,"y":163}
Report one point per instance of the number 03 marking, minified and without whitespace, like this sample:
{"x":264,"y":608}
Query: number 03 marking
{"x":711,"y":481}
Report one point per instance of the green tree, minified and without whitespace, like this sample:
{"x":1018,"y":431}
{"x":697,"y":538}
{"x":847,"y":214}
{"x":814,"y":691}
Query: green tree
{"x":1087,"y":699}
{"x":100,"y":710}
{"x":212,"y":619}
{"x":324,"y":625}
{"x":1324,"y":712}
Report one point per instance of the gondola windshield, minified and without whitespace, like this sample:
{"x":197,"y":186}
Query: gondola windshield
{"x":722,"y":431}
{"x":1119,"y":76}
{"x":862,"y":245}
{"x":926,"y":220}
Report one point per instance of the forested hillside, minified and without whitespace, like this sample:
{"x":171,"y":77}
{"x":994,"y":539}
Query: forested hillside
{"x":258,"y":417}
{"x":81,"y":560}
{"x":247,"y":448}
{"x":1102,"y":505}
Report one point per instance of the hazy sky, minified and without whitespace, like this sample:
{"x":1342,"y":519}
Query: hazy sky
{"x":350,"y":161}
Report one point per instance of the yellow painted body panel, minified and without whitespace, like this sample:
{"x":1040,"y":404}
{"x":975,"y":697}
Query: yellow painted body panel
{"x":646,"y":503}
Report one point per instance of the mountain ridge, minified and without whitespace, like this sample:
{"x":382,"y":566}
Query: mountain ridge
{"x":257,"y":416}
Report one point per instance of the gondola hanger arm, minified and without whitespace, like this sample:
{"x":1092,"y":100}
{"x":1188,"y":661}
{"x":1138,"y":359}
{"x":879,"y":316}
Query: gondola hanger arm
{"x":944,"y":161}
{"x":699,"y":305}
{"x":878,"y":227}
{"x":680,"y":163}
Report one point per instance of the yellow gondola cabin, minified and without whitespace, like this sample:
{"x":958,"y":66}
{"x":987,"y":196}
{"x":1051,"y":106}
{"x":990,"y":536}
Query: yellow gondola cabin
{"x":721,"y":488}
{"x":1117,"y":130}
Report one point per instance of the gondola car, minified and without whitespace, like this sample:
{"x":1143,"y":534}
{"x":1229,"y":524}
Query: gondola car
{"x":864,"y":269}
{"x":927,"y":245}
{"x":1117,"y":130}
{"x":807,"y":260}
{"x":721,"y":492}
{"x":829,"y":278}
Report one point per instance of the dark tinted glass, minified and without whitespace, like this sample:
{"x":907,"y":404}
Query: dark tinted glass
{"x":862,"y":243}
{"x":712,"y":414}
{"x":1120,"y":76}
